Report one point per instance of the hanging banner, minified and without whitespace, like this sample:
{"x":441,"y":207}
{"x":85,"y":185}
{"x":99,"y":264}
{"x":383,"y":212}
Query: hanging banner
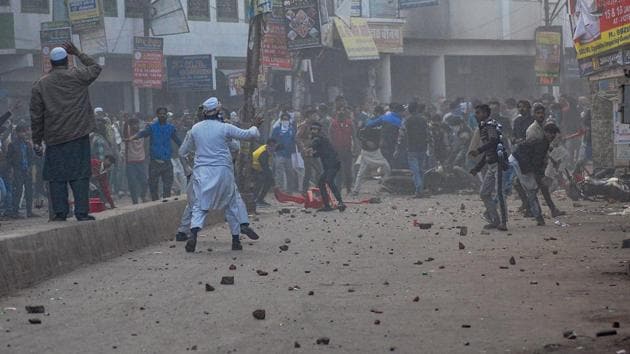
{"x":84,"y":15}
{"x":53,"y":35}
{"x":356,"y":39}
{"x":236,"y":82}
{"x":303,"y":24}
{"x":548,"y":55}
{"x":148,"y":57}
{"x":190,"y":72}
{"x":388,"y":37}
{"x":410,"y":4}
{"x":274,"y":51}
{"x":599,"y":25}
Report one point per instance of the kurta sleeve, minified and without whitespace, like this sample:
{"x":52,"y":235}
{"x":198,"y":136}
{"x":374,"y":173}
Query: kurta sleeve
{"x":233,"y":132}
{"x":37,"y":116}
{"x":187,"y":146}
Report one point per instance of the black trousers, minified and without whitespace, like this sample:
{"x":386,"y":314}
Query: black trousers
{"x":328,"y":178}
{"x":59,"y":197}
{"x":163,"y":170}
{"x":264,"y":182}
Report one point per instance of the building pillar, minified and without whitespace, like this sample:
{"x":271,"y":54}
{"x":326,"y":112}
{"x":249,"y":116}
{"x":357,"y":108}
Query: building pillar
{"x":437,"y":79}
{"x":127,"y":98}
{"x":136,"y":100}
{"x":384,"y":79}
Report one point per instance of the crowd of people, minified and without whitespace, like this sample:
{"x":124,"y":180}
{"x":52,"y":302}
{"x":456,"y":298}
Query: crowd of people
{"x":335,"y":147}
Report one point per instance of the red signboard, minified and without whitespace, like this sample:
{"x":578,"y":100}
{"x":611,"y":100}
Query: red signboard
{"x":599,"y":25}
{"x":148,"y":66}
{"x":275,"y":53}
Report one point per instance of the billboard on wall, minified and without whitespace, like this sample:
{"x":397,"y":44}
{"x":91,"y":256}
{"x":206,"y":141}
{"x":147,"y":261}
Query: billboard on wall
{"x":148,"y":67}
{"x":53,"y":35}
{"x":548,"y":55}
{"x":190,"y":72}
{"x":599,"y":25}
{"x":356,"y":39}
{"x":303,"y":24}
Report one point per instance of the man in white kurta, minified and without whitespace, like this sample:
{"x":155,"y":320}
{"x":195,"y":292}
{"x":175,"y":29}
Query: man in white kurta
{"x":213,"y":175}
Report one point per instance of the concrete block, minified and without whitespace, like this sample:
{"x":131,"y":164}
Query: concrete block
{"x":34,"y":255}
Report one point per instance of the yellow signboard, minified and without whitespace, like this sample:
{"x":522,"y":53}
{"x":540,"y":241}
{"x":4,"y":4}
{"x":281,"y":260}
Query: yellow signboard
{"x":600,"y":26}
{"x":356,"y":39}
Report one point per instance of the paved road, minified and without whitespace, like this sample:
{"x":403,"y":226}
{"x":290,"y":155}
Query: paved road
{"x":367,"y":279}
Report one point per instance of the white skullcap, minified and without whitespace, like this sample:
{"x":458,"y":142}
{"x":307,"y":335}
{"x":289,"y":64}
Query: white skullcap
{"x":211,"y":104}
{"x":58,"y":53}
{"x":98,"y":110}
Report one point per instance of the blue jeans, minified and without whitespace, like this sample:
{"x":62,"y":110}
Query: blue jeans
{"x":415,"y":159}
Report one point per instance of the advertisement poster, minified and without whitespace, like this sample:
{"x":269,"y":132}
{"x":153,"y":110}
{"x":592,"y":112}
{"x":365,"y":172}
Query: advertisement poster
{"x":303,"y":24}
{"x":599,"y":25}
{"x":548,"y":55}
{"x":236,"y":81}
{"x":190,"y":72}
{"x":84,"y":15}
{"x":51,"y":37}
{"x":410,"y":4}
{"x":388,"y":37}
{"x":356,"y":39}
{"x":275,"y":53}
{"x":148,"y":67}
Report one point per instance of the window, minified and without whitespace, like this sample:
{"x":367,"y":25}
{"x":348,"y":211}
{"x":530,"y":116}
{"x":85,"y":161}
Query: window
{"x":110,"y":8}
{"x":35,"y":6}
{"x":227,"y":10}
{"x":384,"y":9}
{"x":625,"y":106}
{"x":7,"y":33}
{"x":199,"y":10}
{"x":134,"y":8}
{"x":60,"y":10}
{"x":5,"y":2}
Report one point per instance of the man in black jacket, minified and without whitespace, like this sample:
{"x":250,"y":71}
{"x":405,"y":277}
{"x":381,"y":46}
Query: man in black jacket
{"x":322,"y":149}
{"x":529,"y":161}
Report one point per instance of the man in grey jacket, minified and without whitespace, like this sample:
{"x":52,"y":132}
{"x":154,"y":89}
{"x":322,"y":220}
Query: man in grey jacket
{"x":62,"y":118}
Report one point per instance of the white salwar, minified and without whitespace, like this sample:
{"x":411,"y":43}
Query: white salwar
{"x":213,"y":174}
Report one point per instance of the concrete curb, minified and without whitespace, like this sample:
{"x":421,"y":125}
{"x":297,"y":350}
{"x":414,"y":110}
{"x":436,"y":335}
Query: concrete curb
{"x":27,"y":258}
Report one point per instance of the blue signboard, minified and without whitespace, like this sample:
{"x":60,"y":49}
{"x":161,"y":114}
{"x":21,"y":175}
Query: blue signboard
{"x":409,"y":4}
{"x":190,"y":72}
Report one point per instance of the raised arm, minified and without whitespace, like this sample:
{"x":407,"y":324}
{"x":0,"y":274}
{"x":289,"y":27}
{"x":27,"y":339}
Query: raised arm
{"x":37,"y":116}
{"x":91,"y":69}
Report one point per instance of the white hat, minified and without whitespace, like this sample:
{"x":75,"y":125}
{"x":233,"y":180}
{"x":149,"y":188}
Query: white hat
{"x":98,"y":110}
{"x":58,"y":53}
{"x":211,"y":104}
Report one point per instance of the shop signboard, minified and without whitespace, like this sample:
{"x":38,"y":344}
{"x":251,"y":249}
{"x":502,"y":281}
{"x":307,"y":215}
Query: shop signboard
{"x":388,"y":37}
{"x":303,"y":24}
{"x":190,"y":72}
{"x":384,"y":8}
{"x":53,"y":35}
{"x":599,"y":25}
{"x":85,"y":15}
{"x":275,"y":53}
{"x":548,"y":55}
{"x":148,"y":58}
{"x":356,"y":39}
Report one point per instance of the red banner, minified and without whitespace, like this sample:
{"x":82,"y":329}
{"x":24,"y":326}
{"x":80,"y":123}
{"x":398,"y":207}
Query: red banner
{"x":275,"y":53}
{"x":148,"y":62}
{"x":599,"y":25}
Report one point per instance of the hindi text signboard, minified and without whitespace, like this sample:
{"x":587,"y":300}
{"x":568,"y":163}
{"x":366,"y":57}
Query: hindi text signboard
{"x":356,"y":39}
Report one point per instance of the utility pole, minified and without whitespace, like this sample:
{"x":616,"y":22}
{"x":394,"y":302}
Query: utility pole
{"x":254,"y":45}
